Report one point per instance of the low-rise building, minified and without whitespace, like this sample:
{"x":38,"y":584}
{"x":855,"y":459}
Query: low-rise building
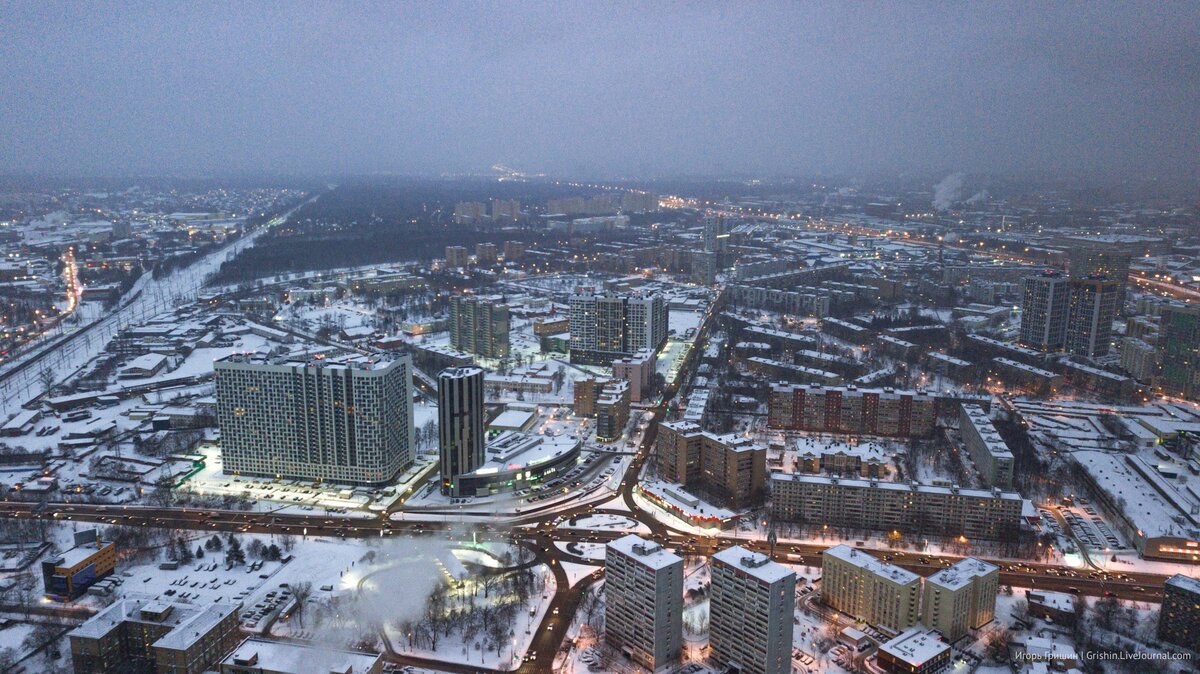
{"x":142,"y":635}
{"x":68,"y":575}
{"x":259,"y":656}
{"x":914,"y":652}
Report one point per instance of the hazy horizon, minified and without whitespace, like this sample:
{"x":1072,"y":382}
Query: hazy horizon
{"x":1097,"y":90}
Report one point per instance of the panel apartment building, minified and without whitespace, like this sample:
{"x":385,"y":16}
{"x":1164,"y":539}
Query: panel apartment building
{"x":730,"y":469}
{"x":881,"y":594}
{"x":643,"y":601}
{"x":750,"y":612}
{"x":910,"y":508}
{"x":847,"y":409}
{"x":340,"y":418}
{"x":152,"y":636}
{"x":987,"y":449}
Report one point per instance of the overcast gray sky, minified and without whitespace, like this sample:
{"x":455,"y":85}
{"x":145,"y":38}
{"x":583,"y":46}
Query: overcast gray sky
{"x":600,"y":88}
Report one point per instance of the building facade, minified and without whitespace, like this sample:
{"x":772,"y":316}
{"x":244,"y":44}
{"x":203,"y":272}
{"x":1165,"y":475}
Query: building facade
{"x":1090,"y":316}
{"x":139,"y":635}
{"x":909,"y":508}
{"x":1045,"y":301}
{"x":729,"y":469}
{"x":643,"y":602}
{"x":479,"y":326}
{"x":986,"y":448}
{"x":1179,"y":350}
{"x":605,"y":328}
{"x":851,"y":410}
{"x":461,"y":432}
{"x":1179,"y":618}
{"x":960,"y":598}
{"x":343,"y":418}
{"x":751,"y":603}
{"x":877,"y":593}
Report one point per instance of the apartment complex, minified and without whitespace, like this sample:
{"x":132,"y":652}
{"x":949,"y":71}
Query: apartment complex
{"x":638,"y":370}
{"x":1045,"y":300}
{"x":910,"y":508}
{"x":612,"y":411}
{"x":605,"y":328}
{"x":457,"y":257}
{"x":479,"y":326}
{"x":986,"y":448}
{"x":960,"y":598}
{"x":751,"y":603}
{"x":341,"y":418}
{"x":729,"y":469}
{"x":1179,"y":619}
{"x":848,"y":409}
{"x":643,"y":601}
{"x":881,"y":594}
{"x":1091,"y":314}
{"x":154,"y":636}
{"x":461,"y":432}
{"x":1179,"y":350}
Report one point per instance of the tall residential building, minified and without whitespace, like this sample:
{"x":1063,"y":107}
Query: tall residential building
{"x":461,"y":432}
{"x":987,"y":449}
{"x":341,"y":418}
{"x":486,"y":253}
{"x":587,"y":391}
{"x":457,"y":257}
{"x":608,"y":327}
{"x":751,"y":602}
{"x":140,"y":635}
{"x":856,"y":583}
{"x":729,"y":469}
{"x":1046,"y":299}
{"x":612,"y":411}
{"x":513,"y":250}
{"x":1179,"y":350}
{"x":506,"y":210}
{"x":1089,"y":261}
{"x":479,"y":325}
{"x":1179,"y":618}
{"x":1090,"y":316}
{"x":643,"y":601}
{"x":960,"y":598}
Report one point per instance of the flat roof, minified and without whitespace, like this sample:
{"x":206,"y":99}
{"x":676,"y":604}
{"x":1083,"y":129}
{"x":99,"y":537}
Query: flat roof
{"x":754,"y":564}
{"x":915,"y":646}
{"x":870,"y":564}
{"x":962,"y":573}
{"x":293,"y":658}
{"x":647,"y":553}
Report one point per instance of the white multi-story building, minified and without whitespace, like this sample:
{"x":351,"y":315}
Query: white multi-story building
{"x":341,"y":418}
{"x":961,"y":598}
{"x":750,"y":612}
{"x":608,"y":327}
{"x":991,"y":454}
{"x":643,"y":601}
{"x":881,"y":594}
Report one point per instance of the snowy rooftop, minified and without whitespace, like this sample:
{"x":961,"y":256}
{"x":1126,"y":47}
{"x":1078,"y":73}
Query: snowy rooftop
{"x":915,"y":646}
{"x":1186,"y":583}
{"x":905,"y":486}
{"x":754,"y":564}
{"x":646,"y":552}
{"x":292,"y":658}
{"x":961,"y":574}
{"x":515,"y":450}
{"x":868,"y":563}
{"x":325,"y":360}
